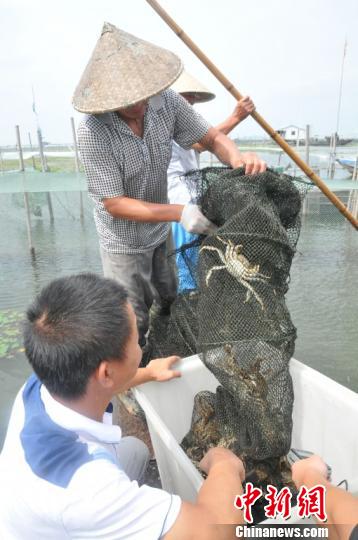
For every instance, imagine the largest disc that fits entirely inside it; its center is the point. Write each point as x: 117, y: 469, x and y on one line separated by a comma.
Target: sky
x: 285, y: 54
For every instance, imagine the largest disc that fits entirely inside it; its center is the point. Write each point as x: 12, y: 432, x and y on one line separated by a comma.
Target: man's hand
x: 194, y: 221
x: 301, y: 467
x: 160, y: 369
x: 219, y: 455
x: 243, y: 109
x: 252, y: 163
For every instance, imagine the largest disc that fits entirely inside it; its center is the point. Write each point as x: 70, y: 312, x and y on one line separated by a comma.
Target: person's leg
x: 133, y: 457
x: 163, y: 277
x: 134, y: 273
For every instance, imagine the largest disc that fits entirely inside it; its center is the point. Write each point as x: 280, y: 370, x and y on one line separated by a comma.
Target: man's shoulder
x: 94, y: 125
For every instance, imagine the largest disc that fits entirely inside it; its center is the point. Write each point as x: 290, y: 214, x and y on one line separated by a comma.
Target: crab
x: 254, y: 381
x: 238, y: 266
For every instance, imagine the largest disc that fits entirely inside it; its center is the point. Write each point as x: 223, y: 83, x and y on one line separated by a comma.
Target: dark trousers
x: 145, y: 276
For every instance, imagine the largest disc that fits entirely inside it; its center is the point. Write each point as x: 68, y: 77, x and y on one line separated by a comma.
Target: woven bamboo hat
x: 187, y: 84
x: 122, y: 71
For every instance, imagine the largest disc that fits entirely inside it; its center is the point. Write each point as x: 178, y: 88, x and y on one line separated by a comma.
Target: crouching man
x: 65, y: 470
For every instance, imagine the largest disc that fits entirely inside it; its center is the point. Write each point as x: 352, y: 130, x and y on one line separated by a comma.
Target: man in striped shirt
x: 125, y: 145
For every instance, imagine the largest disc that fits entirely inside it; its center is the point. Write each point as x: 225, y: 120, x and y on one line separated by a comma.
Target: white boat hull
x: 325, y: 418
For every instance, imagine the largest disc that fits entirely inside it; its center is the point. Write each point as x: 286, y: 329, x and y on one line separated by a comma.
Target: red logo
x: 247, y: 500
x: 279, y: 502
x: 311, y: 502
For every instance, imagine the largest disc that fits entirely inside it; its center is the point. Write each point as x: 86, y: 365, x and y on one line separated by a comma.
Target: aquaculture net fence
x: 232, y: 311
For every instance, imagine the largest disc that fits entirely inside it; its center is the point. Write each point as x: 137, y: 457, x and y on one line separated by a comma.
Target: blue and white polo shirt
x: 60, y: 478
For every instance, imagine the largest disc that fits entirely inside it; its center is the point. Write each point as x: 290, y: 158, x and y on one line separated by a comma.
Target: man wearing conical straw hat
x: 185, y: 160
x: 125, y: 145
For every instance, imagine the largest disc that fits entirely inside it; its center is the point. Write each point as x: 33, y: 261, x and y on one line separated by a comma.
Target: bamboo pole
x: 259, y: 119
x: 45, y: 169
x: 32, y: 149
x: 28, y: 224
x: 41, y: 150
x: 21, y: 156
x: 26, y: 195
x: 307, y: 144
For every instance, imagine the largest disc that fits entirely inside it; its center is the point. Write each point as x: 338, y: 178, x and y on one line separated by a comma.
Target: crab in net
x: 238, y: 266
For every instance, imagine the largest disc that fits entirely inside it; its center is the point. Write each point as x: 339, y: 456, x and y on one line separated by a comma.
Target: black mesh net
x: 233, y: 312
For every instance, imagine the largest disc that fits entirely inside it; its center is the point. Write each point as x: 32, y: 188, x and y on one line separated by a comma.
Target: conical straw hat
x: 122, y: 71
x: 186, y: 83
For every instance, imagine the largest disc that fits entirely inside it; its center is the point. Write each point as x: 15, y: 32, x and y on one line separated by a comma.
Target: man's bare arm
x: 227, y: 152
x: 243, y: 109
x: 215, y: 503
x: 159, y: 370
x: 341, y: 506
x: 137, y: 210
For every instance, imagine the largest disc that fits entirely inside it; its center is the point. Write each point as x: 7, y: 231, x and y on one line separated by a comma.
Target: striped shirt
x: 119, y: 163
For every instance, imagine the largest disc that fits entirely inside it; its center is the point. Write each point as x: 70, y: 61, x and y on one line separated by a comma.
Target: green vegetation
x: 10, y: 332
x: 55, y: 164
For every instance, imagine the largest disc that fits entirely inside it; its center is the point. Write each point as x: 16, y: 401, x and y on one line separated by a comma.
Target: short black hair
x: 75, y: 323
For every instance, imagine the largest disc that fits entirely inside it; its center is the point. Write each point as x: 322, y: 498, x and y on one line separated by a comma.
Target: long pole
x: 259, y: 119
x: 44, y: 165
x: 31, y: 148
x: 21, y: 157
x: 28, y: 224
x: 45, y: 169
x: 307, y: 144
x: 26, y: 195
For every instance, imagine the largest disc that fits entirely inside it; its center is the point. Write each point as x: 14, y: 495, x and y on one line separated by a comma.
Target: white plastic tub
x: 325, y: 419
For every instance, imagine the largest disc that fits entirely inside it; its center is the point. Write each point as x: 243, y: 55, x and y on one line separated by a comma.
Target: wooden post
x: 31, y: 148
x: 41, y: 150
x: 26, y: 195
x: 307, y: 144
x: 28, y: 224
x: 297, y: 148
x: 45, y: 169
x: 49, y: 204
x: 77, y: 162
x: 333, y: 160
x: 21, y: 157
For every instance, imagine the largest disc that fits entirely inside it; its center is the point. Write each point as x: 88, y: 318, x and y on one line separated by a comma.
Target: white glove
x: 194, y: 221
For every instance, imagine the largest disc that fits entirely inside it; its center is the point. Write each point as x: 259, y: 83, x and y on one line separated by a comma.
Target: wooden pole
x: 41, y: 150
x: 21, y: 157
x: 31, y: 148
x: 259, y: 119
x: 307, y: 144
x: 77, y: 161
x: 26, y: 195
x: 28, y: 224
x: 45, y: 169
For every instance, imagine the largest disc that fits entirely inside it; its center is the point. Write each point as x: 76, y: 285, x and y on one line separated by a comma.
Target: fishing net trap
x: 232, y: 312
